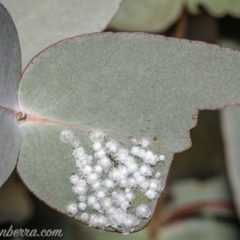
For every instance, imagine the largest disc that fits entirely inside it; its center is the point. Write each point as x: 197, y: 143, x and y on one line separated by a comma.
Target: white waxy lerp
x: 105, y: 163
x: 78, y: 152
x: 151, y: 194
x: 109, y: 184
x: 92, y: 178
x: 82, y: 198
x: 79, y: 189
x: 87, y: 170
x: 101, y: 194
x: 112, y: 146
x: 74, y: 178
x: 143, y: 211
x: 82, y: 206
x: 66, y: 136
x: 96, y: 185
x: 84, y: 217
x: 145, y: 170
x: 144, y: 142
x: 72, y: 208
x: 75, y: 143
x: 135, y: 151
x: 96, y: 146
x: 98, y: 169
x: 162, y: 157
x: 91, y: 200
x: 100, y: 154
x: 93, y: 221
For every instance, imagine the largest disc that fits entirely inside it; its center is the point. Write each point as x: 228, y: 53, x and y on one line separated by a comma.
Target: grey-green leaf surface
x: 10, y: 71
x: 217, y: 8
x: 147, y: 15
x: 42, y: 22
x: 127, y: 85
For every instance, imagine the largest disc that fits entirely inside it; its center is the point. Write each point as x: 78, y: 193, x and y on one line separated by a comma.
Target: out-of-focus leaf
x: 193, y: 196
x: 10, y: 71
x: 198, y: 229
x: 16, y: 205
x: 218, y: 8
x: 43, y: 22
x: 231, y: 134
x: 147, y: 15
x: 205, y: 158
x: 136, y: 85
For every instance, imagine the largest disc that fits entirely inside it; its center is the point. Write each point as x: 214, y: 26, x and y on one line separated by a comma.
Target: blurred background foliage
x: 200, y: 200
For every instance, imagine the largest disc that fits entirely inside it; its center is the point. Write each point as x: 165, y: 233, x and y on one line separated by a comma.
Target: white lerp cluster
x: 107, y: 179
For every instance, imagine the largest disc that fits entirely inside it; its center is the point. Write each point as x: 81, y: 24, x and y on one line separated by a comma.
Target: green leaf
x: 231, y: 134
x: 147, y: 15
x: 10, y: 71
x: 198, y: 229
x: 42, y: 22
x: 127, y: 85
x: 217, y: 8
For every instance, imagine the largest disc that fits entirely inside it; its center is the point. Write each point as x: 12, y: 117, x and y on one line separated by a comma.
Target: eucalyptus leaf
x: 217, y: 8
x: 147, y: 15
x: 43, y: 22
x: 10, y: 71
x: 126, y: 85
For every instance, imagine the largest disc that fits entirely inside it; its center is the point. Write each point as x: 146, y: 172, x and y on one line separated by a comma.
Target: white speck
x: 93, y: 220
x: 151, y: 194
x: 91, y: 200
x: 72, y: 208
x: 145, y: 170
x: 109, y: 184
x: 92, y: 178
x: 97, y: 136
x: 135, y: 151
x: 74, y: 178
x: 75, y: 143
x: 105, y: 163
x: 82, y: 198
x: 66, y: 136
x: 97, y: 146
x: 79, y: 189
x: 112, y: 146
x: 87, y: 170
x: 96, y: 185
x: 82, y: 206
x: 98, y: 169
x: 100, y: 194
x: 158, y: 175
x: 143, y: 211
x: 129, y: 196
x: 78, y: 152
x: 84, y: 217
x: 144, y: 142
x: 162, y: 157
